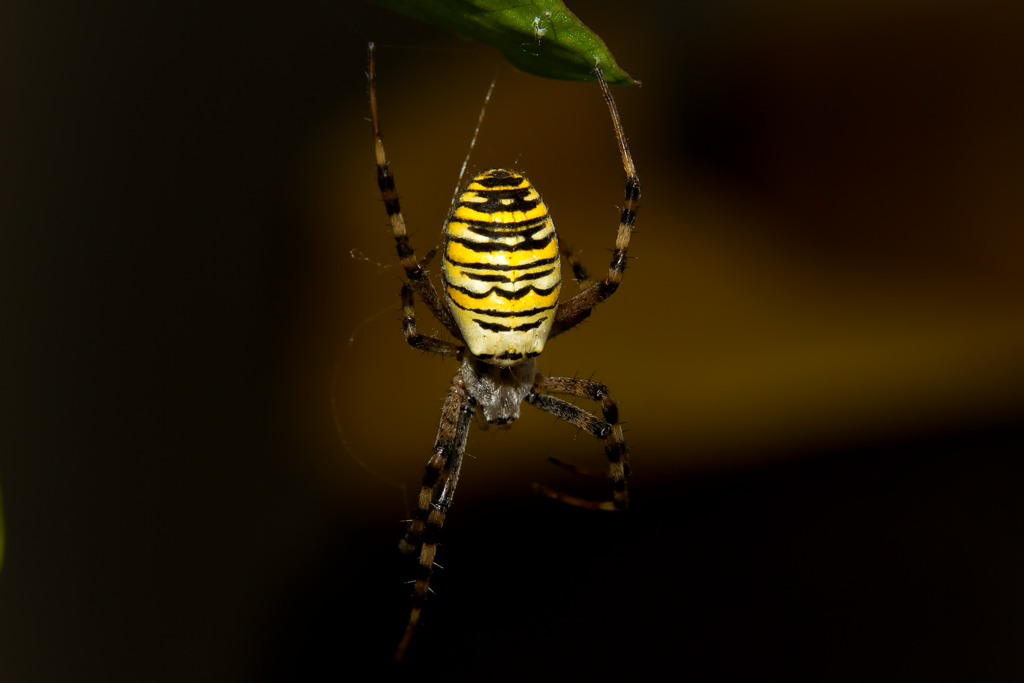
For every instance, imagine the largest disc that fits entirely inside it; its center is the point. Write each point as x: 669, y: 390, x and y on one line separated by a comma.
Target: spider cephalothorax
x: 501, y: 275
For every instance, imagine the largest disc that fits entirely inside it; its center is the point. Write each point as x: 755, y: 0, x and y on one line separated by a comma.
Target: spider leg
x: 579, y: 271
x: 422, y: 341
x: 576, y: 469
x: 442, y: 474
x: 414, y: 270
x: 572, y: 312
x: 608, y: 429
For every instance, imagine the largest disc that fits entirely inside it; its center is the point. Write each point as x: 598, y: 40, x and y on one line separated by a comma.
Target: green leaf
x: 540, y: 37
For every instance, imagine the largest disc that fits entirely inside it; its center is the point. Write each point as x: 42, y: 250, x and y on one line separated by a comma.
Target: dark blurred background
x: 817, y: 349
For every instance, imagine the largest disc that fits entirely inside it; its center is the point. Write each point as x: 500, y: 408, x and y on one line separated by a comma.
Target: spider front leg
x: 609, y: 429
x: 575, y: 310
x: 579, y: 271
x: 422, y: 341
x: 414, y: 270
x: 442, y: 474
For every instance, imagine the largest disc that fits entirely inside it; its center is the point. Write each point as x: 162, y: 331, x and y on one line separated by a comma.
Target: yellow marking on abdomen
x: 501, y: 267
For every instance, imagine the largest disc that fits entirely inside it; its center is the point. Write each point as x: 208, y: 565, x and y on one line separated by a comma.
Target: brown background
x: 817, y: 349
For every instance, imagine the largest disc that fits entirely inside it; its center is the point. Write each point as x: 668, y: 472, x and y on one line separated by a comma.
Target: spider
x: 501, y: 280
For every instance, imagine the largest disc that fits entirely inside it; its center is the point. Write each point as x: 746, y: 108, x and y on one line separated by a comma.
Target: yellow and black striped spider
x: 501, y: 276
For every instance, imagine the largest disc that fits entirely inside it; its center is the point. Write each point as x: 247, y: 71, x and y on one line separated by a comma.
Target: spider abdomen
x: 501, y: 268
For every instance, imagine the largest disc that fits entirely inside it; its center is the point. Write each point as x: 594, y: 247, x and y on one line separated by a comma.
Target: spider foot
x: 573, y: 500
x: 576, y: 469
x: 407, y: 636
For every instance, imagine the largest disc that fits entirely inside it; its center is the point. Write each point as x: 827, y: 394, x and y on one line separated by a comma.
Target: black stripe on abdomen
x: 482, y: 247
